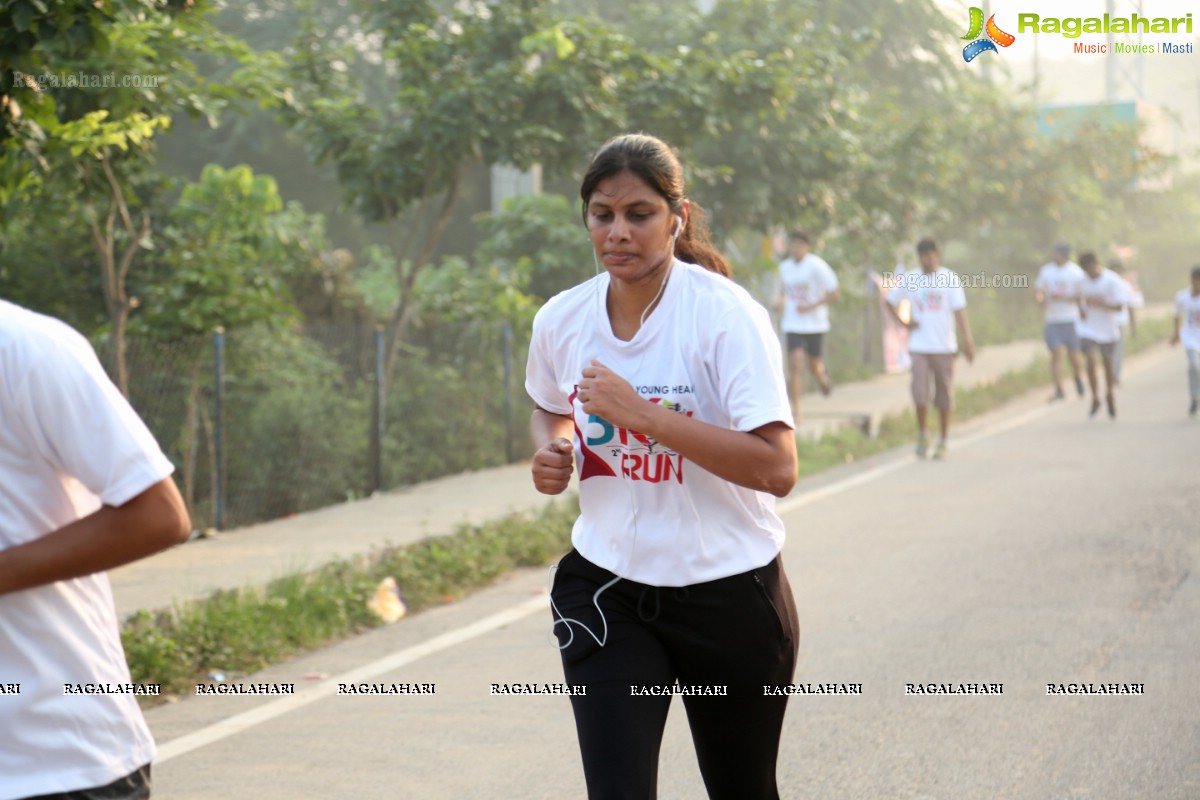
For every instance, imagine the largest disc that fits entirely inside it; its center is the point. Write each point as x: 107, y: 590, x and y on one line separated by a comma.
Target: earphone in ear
x: 678, y: 227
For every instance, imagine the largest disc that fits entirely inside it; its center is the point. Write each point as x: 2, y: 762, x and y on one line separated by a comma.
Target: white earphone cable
x: 601, y: 315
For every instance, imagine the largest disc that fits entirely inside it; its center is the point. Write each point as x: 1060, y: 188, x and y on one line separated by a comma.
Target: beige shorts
x: 937, y: 368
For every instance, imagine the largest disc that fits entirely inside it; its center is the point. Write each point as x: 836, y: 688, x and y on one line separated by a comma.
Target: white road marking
x: 799, y: 501
x: 256, y: 716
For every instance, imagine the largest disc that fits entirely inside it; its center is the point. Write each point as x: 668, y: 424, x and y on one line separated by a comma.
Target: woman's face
x: 631, y: 227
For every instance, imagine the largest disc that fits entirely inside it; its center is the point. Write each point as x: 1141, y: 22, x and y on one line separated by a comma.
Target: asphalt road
x: 1048, y: 549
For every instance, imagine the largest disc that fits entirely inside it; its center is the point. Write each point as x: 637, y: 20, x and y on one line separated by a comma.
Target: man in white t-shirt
x: 83, y: 488
x: 1057, y: 291
x: 1126, y: 318
x: 807, y: 286
x: 938, y: 305
x: 1102, y: 295
x: 1187, y: 330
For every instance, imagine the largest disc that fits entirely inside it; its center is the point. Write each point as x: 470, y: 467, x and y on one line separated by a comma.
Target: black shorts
x: 812, y: 343
x: 134, y: 786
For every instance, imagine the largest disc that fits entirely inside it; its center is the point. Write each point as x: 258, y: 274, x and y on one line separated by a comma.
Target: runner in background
x: 1126, y: 320
x: 1057, y: 291
x: 807, y: 286
x: 938, y: 303
x: 1187, y: 330
x: 1101, y: 297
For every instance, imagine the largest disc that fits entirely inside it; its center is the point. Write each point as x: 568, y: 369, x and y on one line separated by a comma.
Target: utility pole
x: 508, y: 181
x: 1037, y: 72
x: 1124, y: 75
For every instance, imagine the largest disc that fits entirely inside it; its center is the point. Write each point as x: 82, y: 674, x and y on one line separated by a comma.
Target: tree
x: 56, y: 273
x: 228, y: 244
x: 35, y: 38
x: 461, y: 83
x: 87, y: 128
x: 497, y: 83
x: 541, y: 237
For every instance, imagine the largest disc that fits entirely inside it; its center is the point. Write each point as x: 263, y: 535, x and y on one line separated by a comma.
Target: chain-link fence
x: 265, y: 423
x: 262, y: 424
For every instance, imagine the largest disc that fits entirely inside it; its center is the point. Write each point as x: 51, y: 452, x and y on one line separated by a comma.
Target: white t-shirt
x: 804, y: 283
x: 933, y: 298
x: 68, y: 443
x: 1099, y: 324
x: 1065, y: 280
x: 1136, y: 300
x: 1187, y: 307
x: 707, y: 350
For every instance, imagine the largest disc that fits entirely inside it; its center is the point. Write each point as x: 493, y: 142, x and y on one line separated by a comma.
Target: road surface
x: 1048, y: 549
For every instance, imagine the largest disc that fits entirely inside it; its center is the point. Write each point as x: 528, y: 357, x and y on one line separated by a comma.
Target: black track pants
x: 740, y: 633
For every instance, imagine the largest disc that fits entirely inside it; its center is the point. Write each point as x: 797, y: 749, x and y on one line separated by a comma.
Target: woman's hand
x: 609, y: 396
x: 552, y: 466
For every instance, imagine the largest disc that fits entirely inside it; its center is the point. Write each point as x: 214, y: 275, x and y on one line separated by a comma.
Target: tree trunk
x: 116, y: 348
x: 114, y: 272
x: 403, y: 314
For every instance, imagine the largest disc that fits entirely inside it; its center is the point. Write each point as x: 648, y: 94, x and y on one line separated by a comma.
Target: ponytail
x: 694, y: 243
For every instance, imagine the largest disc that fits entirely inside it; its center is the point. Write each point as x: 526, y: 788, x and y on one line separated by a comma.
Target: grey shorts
x: 1061, y: 334
x: 937, y: 368
x: 1107, y: 349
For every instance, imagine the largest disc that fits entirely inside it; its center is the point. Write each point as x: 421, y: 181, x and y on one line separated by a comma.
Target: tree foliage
x: 227, y: 246
x: 89, y: 89
x: 542, y: 239
x: 510, y: 83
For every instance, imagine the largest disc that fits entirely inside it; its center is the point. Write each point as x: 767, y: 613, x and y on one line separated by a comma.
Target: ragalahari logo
x: 982, y: 44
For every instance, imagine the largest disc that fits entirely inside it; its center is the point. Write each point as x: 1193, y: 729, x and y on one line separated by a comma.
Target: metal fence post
x: 377, y: 406
x: 508, y: 411
x: 868, y: 328
x: 218, y: 439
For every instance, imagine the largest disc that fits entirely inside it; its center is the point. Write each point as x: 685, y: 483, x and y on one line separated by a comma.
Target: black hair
x: 799, y: 235
x: 652, y: 160
x: 1088, y: 259
x: 1196, y: 272
x: 927, y: 246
